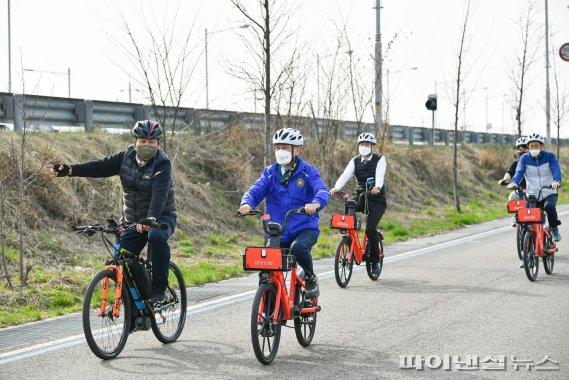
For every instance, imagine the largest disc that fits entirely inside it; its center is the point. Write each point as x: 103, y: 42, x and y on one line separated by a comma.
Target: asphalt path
x: 454, y: 305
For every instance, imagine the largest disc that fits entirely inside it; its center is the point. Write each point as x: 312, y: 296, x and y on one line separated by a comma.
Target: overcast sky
x: 84, y: 36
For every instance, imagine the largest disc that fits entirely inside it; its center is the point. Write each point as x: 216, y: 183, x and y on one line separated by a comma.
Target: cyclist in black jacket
x: 148, y: 193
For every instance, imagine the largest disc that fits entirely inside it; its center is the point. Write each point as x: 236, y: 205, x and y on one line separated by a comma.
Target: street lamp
x: 206, y: 64
x: 67, y: 74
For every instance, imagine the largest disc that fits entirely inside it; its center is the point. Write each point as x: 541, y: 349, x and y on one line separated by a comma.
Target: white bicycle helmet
x: 522, y: 141
x: 368, y: 137
x: 288, y: 136
x: 535, y: 137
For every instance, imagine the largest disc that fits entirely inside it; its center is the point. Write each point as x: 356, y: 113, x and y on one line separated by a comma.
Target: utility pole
x: 9, y: 51
x: 378, y: 64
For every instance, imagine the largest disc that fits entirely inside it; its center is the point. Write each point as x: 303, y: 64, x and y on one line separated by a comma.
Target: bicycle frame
x: 540, y: 233
x: 286, y: 300
x: 355, y: 248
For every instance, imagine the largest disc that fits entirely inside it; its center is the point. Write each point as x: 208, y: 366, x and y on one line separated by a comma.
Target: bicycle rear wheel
x: 343, y: 263
x: 305, y: 324
x: 106, y: 335
x: 374, y: 277
x: 168, y: 319
x: 531, y: 261
x: 548, y: 258
x: 265, y: 335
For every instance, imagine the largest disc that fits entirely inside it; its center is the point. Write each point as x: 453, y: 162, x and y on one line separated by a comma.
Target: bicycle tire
x: 105, y: 334
x: 531, y: 261
x: 343, y: 263
x: 168, y: 320
x: 372, y: 276
x: 520, y: 232
x: 548, y: 258
x: 265, y: 335
x: 304, y: 324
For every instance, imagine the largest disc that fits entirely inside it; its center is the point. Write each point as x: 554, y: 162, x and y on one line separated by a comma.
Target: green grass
x: 205, y: 272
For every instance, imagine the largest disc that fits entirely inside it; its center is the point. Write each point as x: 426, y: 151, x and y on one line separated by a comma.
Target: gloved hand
x: 59, y: 170
x: 144, y: 224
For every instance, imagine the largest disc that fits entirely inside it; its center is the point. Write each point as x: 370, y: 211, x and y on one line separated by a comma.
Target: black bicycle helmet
x: 147, y: 129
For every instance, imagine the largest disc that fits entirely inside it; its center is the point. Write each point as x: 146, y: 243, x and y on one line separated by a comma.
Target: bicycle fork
x: 118, y: 292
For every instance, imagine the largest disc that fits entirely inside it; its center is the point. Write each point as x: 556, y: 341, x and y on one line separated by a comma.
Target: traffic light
x: 431, y: 103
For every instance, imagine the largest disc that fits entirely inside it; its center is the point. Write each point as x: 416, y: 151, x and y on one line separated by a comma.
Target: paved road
x: 459, y: 294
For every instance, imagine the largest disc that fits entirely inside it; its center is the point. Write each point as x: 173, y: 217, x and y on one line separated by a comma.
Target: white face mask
x: 534, y: 152
x: 364, y: 150
x: 283, y: 157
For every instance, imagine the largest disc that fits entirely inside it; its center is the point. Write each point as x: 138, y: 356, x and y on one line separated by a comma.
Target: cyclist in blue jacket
x: 541, y: 168
x: 288, y: 184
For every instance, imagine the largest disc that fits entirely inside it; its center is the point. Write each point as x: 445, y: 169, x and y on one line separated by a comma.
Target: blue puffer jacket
x: 538, y: 172
x: 304, y: 186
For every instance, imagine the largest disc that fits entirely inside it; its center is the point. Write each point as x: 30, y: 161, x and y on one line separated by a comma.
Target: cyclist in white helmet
x: 288, y: 184
x: 541, y: 168
x: 521, y: 149
x: 369, y: 170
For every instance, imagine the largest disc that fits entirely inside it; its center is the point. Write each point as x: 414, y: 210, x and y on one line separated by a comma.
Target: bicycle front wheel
x: 531, y: 261
x: 372, y: 276
x: 106, y: 334
x: 168, y: 319
x: 343, y: 263
x: 265, y: 334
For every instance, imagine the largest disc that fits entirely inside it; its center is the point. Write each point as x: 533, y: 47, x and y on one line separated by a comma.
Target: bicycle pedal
x: 318, y: 308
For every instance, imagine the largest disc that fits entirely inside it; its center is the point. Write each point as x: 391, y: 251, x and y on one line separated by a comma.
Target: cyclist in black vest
x: 148, y: 193
x: 369, y: 169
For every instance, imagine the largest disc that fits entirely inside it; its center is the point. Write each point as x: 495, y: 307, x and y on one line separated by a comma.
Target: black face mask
x: 521, y: 154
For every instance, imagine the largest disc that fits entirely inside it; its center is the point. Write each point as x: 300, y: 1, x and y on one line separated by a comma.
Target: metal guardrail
x: 15, y: 108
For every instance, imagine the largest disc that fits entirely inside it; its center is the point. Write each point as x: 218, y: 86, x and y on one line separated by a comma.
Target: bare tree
x: 529, y: 46
x: 268, y: 31
x: 164, y: 65
x: 460, y: 76
x: 3, y: 195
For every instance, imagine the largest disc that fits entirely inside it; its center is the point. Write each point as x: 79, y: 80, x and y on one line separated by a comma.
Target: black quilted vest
x: 137, y: 186
x: 365, y: 171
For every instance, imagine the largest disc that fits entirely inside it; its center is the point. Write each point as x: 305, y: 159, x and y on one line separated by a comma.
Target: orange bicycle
x: 274, y: 304
x: 537, y: 240
x: 349, y: 248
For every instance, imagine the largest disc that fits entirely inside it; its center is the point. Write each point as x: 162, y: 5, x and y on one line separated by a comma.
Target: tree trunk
x: 267, y: 90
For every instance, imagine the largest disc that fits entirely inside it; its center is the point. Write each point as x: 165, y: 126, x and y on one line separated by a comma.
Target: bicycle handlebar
x: 113, y: 229
x: 287, y: 216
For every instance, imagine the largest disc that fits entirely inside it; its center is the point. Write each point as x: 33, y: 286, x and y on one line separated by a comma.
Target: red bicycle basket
x: 530, y: 215
x: 265, y: 258
x: 514, y: 205
x: 343, y: 221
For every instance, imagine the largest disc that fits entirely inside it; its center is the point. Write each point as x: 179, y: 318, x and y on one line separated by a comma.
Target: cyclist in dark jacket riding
x: 369, y: 170
x: 521, y: 148
x: 288, y: 184
x: 148, y: 193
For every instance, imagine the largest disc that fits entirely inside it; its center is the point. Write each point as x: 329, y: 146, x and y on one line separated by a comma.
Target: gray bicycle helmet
x: 147, y: 129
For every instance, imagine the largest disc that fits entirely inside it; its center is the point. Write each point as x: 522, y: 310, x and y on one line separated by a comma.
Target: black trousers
x: 376, y: 207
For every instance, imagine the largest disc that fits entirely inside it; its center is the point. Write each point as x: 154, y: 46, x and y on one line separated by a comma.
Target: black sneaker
x: 157, y: 297
x: 375, y: 269
x: 311, y: 283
